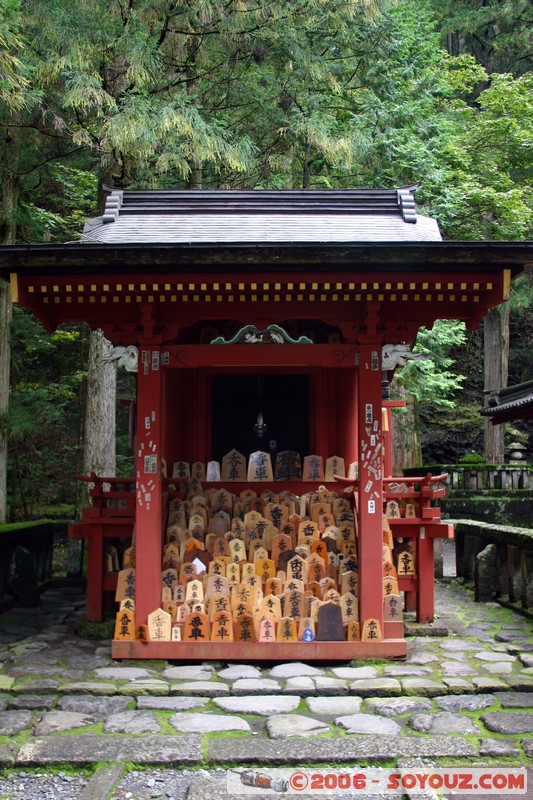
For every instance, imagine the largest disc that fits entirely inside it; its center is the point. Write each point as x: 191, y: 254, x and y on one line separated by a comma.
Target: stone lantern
x: 516, y: 451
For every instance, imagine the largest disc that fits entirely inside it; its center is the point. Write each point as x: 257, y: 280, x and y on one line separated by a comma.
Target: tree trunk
x: 7, y: 236
x: 195, y: 177
x: 406, y: 447
x: 306, y: 176
x: 496, y: 350
x: 5, y: 353
x: 8, y: 212
x: 99, y: 432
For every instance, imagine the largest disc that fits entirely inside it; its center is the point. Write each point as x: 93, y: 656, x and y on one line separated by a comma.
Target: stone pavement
x: 462, y: 698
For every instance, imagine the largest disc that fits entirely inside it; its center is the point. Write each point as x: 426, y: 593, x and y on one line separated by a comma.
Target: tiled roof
x: 185, y: 217
x: 513, y: 400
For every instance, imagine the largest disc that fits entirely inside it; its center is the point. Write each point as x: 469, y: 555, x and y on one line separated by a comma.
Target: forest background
x: 255, y: 94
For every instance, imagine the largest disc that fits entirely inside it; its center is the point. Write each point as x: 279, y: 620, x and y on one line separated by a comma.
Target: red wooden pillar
x: 149, y: 499
x: 426, y: 578
x: 370, y: 484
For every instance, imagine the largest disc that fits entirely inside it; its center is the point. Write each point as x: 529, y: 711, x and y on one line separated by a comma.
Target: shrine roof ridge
x: 264, y: 201
x: 260, y: 215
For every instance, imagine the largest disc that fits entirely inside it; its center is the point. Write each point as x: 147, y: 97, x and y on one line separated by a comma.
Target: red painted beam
x: 264, y: 355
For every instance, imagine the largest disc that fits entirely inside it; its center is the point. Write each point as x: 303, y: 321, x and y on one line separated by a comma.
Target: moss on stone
x: 95, y: 630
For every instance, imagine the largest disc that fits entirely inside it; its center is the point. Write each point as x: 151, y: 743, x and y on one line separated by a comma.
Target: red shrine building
x: 263, y: 323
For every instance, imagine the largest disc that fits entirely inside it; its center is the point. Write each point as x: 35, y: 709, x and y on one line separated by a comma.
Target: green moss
x: 147, y: 663
x: 370, y: 662
x: 226, y: 735
x: 18, y: 740
x: 301, y: 707
x: 22, y: 526
x: 163, y: 718
x: 472, y: 458
x: 95, y: 630
x: 52, y: 769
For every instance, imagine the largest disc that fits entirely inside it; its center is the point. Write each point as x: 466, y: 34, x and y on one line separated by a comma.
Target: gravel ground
x: 175, y: 785
x: 39, y: 786
x: 151, y: 784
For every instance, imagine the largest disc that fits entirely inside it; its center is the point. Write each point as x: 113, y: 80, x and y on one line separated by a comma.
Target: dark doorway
x: 240, y: 400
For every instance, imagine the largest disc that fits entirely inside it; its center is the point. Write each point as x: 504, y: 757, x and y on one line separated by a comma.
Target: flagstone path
x: 464, y: 698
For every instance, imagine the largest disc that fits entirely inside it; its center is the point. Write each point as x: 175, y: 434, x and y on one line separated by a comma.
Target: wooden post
x: 426, y: 578
x: 100, y: 426
x: 5, y: 352
x: 95, y: 565
x: 370, y: 484
x: 389, y: 439
x: 149, y: 490
x: 496, y: 350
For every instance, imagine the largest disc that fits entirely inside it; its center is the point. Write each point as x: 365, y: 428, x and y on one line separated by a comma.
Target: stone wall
x: 498, y: 559
x: 481, y: 477
x: 26, y: 551
x: 500, y: 510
